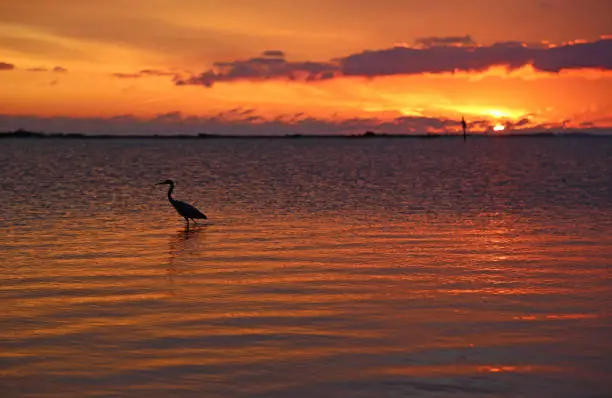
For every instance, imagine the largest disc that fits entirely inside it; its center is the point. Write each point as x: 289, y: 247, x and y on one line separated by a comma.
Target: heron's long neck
x: 170, y: 193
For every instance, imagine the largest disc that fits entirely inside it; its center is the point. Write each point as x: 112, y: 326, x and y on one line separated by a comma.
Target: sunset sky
x: 309, y: 67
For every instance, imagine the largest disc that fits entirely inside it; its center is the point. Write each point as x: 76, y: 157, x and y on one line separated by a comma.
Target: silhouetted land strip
x: 367, y: 135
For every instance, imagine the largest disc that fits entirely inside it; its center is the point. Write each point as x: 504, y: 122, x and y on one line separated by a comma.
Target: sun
x: 499, y: 127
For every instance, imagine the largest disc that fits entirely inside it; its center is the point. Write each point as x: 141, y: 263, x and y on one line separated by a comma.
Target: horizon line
x: 21, y: 133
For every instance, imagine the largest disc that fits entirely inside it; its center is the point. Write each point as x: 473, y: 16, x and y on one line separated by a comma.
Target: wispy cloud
x: 122, y: 75
x: 56, y: 69
x: 430, y: 55
x: 437, y: 41
x: 144, y: 73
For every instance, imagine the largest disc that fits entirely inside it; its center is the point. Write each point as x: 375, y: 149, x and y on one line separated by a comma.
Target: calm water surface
x: 327, y: 268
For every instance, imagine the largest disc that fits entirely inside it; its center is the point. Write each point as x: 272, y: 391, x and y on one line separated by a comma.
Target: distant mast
x: 464, y: 125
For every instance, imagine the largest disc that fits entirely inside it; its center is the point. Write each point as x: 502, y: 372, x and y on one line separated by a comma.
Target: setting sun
x: 308, y: 69
x: 404, y: 197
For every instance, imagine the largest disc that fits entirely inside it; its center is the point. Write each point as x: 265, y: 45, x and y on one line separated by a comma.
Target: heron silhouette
x: 186, y: 210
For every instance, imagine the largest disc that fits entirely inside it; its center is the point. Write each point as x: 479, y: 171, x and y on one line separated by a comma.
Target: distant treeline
x: 368, y: 134
x: 33, y: 134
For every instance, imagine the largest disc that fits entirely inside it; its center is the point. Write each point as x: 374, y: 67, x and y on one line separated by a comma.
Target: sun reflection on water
x: 306, y: 281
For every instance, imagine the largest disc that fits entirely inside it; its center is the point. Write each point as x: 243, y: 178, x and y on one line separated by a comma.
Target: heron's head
x: 169, y: 182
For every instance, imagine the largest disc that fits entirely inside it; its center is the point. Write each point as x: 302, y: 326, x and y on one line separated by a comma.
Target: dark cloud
x: 6, y: 66
x: 269, y: 66
x: 274, y: 53
x: 59, y: 69
x: 37, y: 70
x: 236, y: 112
x: 155, y: 72
x: 437, y: 55
x: 575, y: 56
x: 435, y: 41
x: 520, y: 123
x: 401, y: 60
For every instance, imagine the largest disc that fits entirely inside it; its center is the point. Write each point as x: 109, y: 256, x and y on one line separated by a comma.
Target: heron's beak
x: 160, y: 183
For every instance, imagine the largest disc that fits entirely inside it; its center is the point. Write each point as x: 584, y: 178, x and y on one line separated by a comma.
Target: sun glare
x: 496, y: 113
x: 499, y: 127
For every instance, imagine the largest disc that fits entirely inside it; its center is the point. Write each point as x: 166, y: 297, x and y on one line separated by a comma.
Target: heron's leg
x: 187, y: 220
x: 194, y: 221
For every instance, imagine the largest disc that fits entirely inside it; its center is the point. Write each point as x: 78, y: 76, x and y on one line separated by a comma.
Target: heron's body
x: 187, y: 211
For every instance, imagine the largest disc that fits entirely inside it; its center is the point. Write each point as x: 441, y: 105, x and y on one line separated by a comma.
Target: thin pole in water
x: 464, y: 125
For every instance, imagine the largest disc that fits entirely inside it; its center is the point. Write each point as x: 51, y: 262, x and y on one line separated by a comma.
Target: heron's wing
x: 187, y: 210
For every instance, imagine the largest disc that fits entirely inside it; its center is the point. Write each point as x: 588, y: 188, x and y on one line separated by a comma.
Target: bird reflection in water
x: 182, y: 247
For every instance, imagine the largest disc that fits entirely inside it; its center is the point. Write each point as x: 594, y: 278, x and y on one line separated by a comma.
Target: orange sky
x: 80, y: 60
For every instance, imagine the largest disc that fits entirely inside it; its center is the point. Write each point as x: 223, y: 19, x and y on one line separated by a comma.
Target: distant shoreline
x: 21, y: 134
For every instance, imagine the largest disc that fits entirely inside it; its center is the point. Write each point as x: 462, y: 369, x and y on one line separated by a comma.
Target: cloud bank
x: 236, y: 121
x: 245, y: 122
x: 430, y: 55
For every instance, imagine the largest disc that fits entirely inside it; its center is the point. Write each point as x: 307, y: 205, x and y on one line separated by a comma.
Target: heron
x: 186, y: 210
